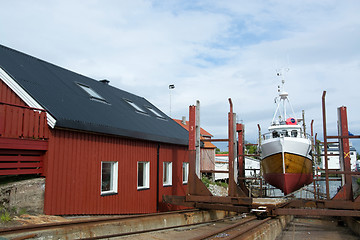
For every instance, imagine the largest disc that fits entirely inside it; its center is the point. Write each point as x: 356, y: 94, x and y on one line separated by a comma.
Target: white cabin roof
x: 284, y: 127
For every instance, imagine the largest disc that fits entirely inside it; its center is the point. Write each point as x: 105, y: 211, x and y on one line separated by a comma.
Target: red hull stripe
x: 288, y: 182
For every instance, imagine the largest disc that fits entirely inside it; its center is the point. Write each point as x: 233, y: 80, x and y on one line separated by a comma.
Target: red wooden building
x: 101, y: 150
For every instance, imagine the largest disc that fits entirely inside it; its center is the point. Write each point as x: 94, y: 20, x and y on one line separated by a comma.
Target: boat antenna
x: 282, y: 99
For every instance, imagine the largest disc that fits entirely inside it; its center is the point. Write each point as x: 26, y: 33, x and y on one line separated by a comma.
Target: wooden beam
x: 23, y: 144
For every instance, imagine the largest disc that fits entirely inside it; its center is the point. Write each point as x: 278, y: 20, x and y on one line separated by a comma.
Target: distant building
x: 334, y: 160
x: 252, y: 166
x: 221, y: 164
x: 207, y: 149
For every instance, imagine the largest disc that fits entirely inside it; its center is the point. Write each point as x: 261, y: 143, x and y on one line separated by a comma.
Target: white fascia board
x: 30, y: 101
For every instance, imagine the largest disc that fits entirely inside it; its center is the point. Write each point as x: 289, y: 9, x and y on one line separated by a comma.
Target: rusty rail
x: 245, y: 225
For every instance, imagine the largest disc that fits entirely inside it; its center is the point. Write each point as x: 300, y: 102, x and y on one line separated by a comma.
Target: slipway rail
x: 115, y: 226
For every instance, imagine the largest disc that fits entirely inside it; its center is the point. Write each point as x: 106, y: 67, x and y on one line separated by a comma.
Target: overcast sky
x: 210, y: 50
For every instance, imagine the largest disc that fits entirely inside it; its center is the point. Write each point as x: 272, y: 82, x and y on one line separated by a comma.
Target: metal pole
x: 313, y: 154
x: 231, y: 190
x: 236, y: 166
x: 344, y: 150
x: 192, y: 151
x: 241, y: 169
x: 304, y: 125
x: 197, y: 139
x: 317, y: 145
x: 325, y: 146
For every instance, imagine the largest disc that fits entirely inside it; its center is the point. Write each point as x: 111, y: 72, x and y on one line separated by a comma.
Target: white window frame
x: 156, y: 113
x: 113, y: 178
x: 135, y: 106
x: 146, y: 175
x: 185, y: 172
x: 93, y: 94
x: 167, y: 173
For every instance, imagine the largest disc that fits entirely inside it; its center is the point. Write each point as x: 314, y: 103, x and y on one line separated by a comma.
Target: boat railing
x: 270, y: 135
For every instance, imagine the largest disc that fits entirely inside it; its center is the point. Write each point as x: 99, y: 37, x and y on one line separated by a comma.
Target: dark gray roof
x: 58, y: 91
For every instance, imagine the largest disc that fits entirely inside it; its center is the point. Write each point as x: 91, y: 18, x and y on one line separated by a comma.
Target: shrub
x: 5, y: 217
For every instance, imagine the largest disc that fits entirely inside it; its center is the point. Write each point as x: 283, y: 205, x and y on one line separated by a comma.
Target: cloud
x: 210, y: 50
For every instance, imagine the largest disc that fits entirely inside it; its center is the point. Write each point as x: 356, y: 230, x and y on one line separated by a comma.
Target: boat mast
x: 281, y: 100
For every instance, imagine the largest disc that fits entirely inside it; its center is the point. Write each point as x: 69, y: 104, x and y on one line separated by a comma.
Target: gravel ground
x: 218, y: 190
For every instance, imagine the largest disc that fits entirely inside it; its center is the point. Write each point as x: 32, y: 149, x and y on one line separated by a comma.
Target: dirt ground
x: 27, y: 219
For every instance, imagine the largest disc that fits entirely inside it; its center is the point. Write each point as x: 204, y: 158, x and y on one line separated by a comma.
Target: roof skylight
x: 91, y: 92
x: 137, y: 108
x: 155, y: 112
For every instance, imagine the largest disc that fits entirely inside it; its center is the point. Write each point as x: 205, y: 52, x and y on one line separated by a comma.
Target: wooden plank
x: 13, y: 123
x: 225, y: 207
x: 8, y: 121
x: 36, y: 124
x: 2, y: 119
x: 16, y: 152
x: 26, y: 122
x: 31, y: 124
x: 216, y: 199
x: 20, y: 165
x: 22, y: 171
x: 19, y: 121
x: 42, y: 124
x: 20, y: 158
x: 23, y: 144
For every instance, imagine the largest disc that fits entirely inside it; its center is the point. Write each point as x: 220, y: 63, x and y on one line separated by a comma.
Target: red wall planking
x: 8, y: 96
x: 73, y: 174
x: 73, y: 170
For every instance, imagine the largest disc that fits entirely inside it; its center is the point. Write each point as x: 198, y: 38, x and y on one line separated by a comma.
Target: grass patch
x: 5, y: 217
x: 206, y: 181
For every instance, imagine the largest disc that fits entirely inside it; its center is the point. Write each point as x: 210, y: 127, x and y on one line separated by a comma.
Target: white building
x: 334, y: 161
x: 222, y: 164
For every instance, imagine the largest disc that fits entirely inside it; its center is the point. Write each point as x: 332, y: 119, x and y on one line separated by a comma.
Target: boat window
x: 285, y: 133
x: 294, y: 133
x: 275, y: 134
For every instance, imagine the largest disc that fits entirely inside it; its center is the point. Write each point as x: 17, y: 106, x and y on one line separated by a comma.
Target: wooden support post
x: 195, y: 185
x: 344, y: 151
x: 232, y: 184
x: 241, y: 160
x: 197, y: 140
x: 234, y: 190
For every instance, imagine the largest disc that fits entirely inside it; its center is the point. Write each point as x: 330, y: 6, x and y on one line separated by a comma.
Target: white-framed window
x: 185, y: 172
x: 135, y: 106
x: 109, y: 177
x: 156, y: 113
x: 91, y: 92
x: 143, y: 175
x: 167, y: 173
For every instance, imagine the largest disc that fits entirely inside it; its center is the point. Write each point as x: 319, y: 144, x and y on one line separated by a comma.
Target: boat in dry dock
x: 286, y: 150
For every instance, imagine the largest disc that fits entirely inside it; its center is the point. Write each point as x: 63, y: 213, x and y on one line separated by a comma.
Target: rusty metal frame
x: 199, y: 196
x: 344, y: 150
x: 316, y: 212
x: 195, y: 185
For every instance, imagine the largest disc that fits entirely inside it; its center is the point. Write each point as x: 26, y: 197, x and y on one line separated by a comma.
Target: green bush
x: 206, y: 181
x: 5, y: 217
